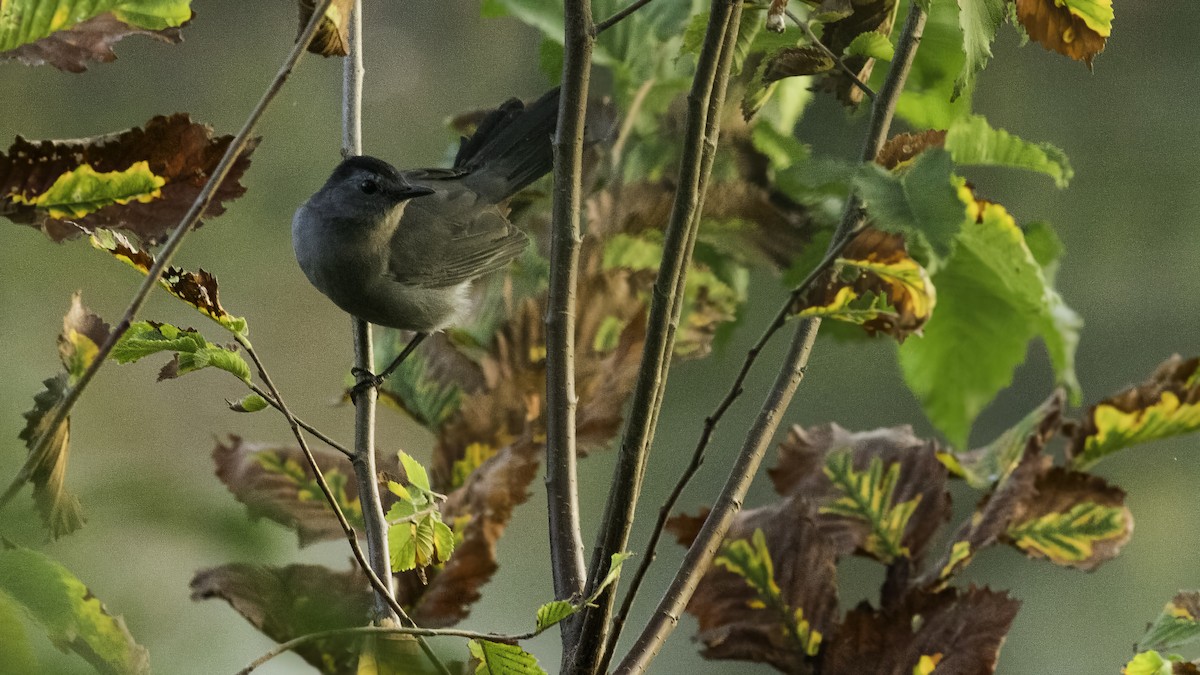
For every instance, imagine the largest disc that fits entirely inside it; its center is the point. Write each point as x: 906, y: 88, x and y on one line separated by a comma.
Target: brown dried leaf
x: 801, y: 472
x: 92, y: 40
x: 332, y: 35
x: 960, y: 631
x: 182, y: 152
x: 287, y: 602
x: 733, y: 622
x: 795, y: 62
x: 868, y: 15
x: 275, y: 482
x: 1056, y: 28
x: 1074, y: 519
x: 905, y: 147
x: 82, y: 335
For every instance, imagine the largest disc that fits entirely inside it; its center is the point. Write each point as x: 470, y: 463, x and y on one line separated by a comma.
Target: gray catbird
x: 400, y: 248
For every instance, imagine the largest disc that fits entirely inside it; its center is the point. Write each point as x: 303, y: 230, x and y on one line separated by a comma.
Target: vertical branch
x: 566, y: 542
x: 716, y: 526
x: 374, y: 525
x: 699, y: 145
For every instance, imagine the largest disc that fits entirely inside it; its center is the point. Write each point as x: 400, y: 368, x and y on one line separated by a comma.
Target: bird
x: 400, y: 248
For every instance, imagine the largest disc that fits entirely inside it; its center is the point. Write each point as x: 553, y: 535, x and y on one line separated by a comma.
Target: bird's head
x: 362, y: 188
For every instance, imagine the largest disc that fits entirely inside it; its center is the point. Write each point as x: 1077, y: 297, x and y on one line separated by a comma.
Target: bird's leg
x: 367, y: 379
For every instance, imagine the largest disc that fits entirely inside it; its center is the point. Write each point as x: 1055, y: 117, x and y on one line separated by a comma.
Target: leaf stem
x: 566, y: 541
x: 712, y: 534
x: 317, y: 433
x: 699, y: 145
x: 169, y: 249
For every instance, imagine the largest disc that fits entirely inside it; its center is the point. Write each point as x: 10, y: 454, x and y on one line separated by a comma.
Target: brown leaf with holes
x: 182, y: 152
x: 1056, y: 28
x: 275, y: 482
x: 74, y: 48
x: 867, y: 15
x: 331, y: 38
x: 961, y: 631
x: 905, y: 147
x: 287, y: 602
x: 802, y: 471
x: 83, y: 333
x: 734, y: 623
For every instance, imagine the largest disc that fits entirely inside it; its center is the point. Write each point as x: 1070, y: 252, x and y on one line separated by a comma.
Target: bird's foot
x: 365, y: 380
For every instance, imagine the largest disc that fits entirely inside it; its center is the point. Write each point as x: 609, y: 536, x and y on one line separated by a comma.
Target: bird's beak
x: 413, y: 191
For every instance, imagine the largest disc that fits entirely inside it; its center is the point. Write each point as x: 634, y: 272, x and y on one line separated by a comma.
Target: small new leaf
x: 192, y: 351
x: 414, y: 472
x: 496, y: 658
x: 871, y: 45
x: 553, y: 612
x: 248, y: 404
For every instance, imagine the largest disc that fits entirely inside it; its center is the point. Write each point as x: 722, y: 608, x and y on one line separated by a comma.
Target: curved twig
x: 317, y: 433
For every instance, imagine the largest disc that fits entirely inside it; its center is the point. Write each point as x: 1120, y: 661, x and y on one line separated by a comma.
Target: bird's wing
x: 450, y: 236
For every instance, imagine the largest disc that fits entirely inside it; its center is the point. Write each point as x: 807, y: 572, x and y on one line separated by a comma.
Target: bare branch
x: 712, y: 534
x: 317, y: 433
x: 169, y: 249
x: 566, y: 542
x: 699, y: 145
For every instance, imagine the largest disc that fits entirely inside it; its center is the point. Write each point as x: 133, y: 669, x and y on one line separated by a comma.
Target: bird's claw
x: 365, y: 380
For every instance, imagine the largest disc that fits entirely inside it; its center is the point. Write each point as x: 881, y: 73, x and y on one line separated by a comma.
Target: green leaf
x: 872, y: 45
x: 430, y: 401
x: 26, y: 21
x: 1097, y: 14
x: 614, y: 571
x: 415, y: 472
x: 192, y: 351
x: 1148, y: 663
x: 402, y: 546
x: 992, y: 300
x: 443, y: 540
x: 751, y: 22
x: 929, y: 99
x: 553, y: 612
x: 1177, y: 625
x: 81, y: 191
x: 65, y: 608
x: 867, y: 496
x: 971, y: 140
x: 979, y: 20
x: 248, y: 404
x: 550, y: 59
x: 496, y: 658
x: 919, y: 202
x: 17, y: 655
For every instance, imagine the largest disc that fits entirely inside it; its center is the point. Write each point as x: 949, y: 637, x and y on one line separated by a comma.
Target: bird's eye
x: 368, y: 187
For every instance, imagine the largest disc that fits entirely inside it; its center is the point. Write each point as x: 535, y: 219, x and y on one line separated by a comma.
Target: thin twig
x: 700, y: 554
x: 837, y: 59
x: 167, y: 253
x: 619, y: 16
x: 635, y: 106
x: 363, y: 461
x: 317, y: 433
x: 284, y: 647
x: 351, y: 536
x: 562, y: 490
x: 708, y: 88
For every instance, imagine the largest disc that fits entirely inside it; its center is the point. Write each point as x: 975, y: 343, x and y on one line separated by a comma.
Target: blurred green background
x: 140, y: 459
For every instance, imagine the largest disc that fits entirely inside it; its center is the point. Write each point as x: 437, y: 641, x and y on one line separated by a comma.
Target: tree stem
x: 716, y: 526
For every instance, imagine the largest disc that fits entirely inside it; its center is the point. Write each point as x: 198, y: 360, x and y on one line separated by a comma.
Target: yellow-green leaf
x: 1178, y: 624
x: 83, y: 190
x: 872, y: 45
x: 402, y: 546
x: 416, y: 474
x: 553, y: 612
x: 751, y: 561
x: 496, y: 658
x: 25, y: 21
x: 1148, y: 663
x: 972, y: 141
x: 1068, y: 538
x: 867, y: 495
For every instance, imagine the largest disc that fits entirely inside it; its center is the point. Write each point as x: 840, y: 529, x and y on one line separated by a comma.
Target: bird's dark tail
x: 511, y: 148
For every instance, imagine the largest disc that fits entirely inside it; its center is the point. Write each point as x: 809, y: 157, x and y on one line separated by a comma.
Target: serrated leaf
x: 198, y: 289
x: 417, y: 390
x: 920, y: 201
x: 402, y: 546
x: 979, y: 20
x: 423, y: 540
x: 443, y: 540
x: 553, y: 612
x: 871, y: 45
x: 65, y: 608
x: 1076, y: 520
x: 1177, y: 625
x: 985, y: 467
x: 971, y: 140
x: 845, y: 22
x: 1078, y: 29
x: 496, y: 658
x: 868, y: 496
x: 83, y: 190
x: 181, y: 152
x: 248, y: 404
x: 1166, y: 405
x: 993, y: 298
x: 192, y: 351
x: 67, y: 33
x: 414, y: 472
